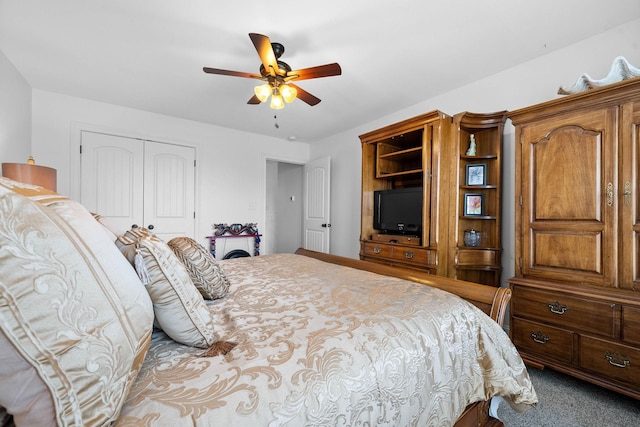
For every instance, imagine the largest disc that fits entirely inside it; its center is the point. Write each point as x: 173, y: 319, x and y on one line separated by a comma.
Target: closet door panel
x: 111, y: 178
x: 169, y: 198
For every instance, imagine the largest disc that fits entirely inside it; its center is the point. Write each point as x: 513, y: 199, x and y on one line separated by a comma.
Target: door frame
x: 262, y: 203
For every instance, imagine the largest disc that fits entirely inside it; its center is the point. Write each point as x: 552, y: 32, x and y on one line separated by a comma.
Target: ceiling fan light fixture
x: 277, y: 103
x: 262, y: 92
x: 289, y: 93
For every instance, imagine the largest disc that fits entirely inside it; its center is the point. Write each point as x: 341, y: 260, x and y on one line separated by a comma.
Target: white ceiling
x: 149, y: 54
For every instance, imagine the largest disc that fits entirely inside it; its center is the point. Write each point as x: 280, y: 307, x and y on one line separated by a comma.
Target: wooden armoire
x: 576, y: 292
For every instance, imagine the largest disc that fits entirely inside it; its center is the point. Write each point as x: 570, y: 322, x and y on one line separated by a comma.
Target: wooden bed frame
x: 490, y: 299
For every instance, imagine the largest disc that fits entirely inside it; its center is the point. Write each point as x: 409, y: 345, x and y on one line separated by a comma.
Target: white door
x: 130, y: 182
x: 316, y: 223
x: 111, y: 178
x: 169, y: 196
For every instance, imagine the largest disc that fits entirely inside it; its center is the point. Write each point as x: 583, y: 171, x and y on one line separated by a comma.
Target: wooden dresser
x: 576, y: 292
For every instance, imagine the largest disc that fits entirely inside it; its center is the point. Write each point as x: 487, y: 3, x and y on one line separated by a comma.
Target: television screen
x: 398, y: 210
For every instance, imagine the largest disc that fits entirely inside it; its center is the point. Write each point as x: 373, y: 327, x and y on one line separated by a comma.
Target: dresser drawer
x: 566, y: 311
x: 542, y: 340
x: 631, y: 325
x: 378, y: 249
x: 411, y: 255
x: 614, y: 360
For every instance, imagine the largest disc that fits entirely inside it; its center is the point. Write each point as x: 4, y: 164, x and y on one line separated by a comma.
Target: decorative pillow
x: 205, y: 272
x: 179, y: 308
x: 72, y: 308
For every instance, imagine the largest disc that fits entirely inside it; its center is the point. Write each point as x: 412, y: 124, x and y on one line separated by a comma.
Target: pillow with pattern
x: 179, y: 308
x: 205, y: 272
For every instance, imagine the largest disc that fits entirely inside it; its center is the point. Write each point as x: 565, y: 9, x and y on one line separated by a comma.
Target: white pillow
x: 71, y: 306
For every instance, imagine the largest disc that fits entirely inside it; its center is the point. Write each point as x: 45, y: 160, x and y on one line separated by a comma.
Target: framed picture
x: 476, y: 174
x: 473, y: 204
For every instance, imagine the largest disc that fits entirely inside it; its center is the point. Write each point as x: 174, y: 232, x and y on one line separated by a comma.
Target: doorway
x: 284, y: 207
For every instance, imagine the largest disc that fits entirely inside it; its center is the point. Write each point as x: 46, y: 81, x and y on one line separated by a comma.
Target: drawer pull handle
x: 616, y: 359
x: 539, y: 337
x: 376, y: 250
x: 557, y: 308
x: 408, y: 255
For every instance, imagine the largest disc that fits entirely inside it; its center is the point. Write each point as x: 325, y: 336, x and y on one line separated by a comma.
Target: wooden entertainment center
x: 431, y: 151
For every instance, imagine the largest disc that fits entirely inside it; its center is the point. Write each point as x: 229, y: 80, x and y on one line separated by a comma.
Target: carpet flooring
x: 564, y: 401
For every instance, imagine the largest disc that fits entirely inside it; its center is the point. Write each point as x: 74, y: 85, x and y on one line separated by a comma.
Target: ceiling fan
x: 278, y: 75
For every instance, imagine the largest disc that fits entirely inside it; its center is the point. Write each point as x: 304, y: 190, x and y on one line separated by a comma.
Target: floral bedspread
x: 324, y: 345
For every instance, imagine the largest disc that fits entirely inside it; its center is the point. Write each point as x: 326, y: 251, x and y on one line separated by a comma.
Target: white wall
x: 527, y: 84
x: 15, y: 114
x: 231, y: 170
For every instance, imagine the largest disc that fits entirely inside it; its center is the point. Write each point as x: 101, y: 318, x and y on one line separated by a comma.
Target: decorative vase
x: 471, y: 237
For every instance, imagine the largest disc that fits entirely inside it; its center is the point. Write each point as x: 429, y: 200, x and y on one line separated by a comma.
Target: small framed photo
x: 473, y: 204
x: 476, y: 174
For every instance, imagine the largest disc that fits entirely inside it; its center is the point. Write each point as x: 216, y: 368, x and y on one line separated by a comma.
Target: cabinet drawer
x: 470, y: 257
x: 378, y: 249
x: 631, y: 324
x: 411, y: 255
x: 566, y: 311
x: 390, y: 238
x: 542, y: 340
x: 614, y: 360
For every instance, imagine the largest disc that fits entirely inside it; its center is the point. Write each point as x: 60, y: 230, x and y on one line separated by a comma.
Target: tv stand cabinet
x: 406, y: 154
x: 430, y: 151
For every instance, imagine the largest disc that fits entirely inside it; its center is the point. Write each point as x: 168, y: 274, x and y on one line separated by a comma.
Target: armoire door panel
x: 580, y: 251
x: 628, y: 199
x: 569, y: 214
x: 563, y: 192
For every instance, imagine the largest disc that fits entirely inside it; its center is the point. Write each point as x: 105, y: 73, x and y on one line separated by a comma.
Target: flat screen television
x: 398, y: 211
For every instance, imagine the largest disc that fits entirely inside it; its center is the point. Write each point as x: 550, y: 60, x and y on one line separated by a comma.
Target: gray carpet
x: 565, y: 401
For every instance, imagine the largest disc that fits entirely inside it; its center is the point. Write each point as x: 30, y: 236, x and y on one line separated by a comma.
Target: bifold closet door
x: 132, y: 181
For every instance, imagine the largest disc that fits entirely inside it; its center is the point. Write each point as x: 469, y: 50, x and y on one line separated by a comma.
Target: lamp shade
x: 31, y: 174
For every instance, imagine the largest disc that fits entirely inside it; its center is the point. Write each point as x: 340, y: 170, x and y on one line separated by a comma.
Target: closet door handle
x: 609, y: 194
x: 150, y: 227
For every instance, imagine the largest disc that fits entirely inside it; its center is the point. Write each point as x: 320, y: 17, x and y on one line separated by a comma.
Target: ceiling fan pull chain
x: 275, y: 117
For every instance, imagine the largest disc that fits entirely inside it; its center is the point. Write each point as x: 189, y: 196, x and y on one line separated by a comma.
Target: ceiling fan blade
x: 327, y: 70
x: 265, y: 51
x: 305, y: 96
x: 231, y: 73
x: 254, y: 100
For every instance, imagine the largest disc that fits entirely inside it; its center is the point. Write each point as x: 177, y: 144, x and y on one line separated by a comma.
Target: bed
x: 294, y: 339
